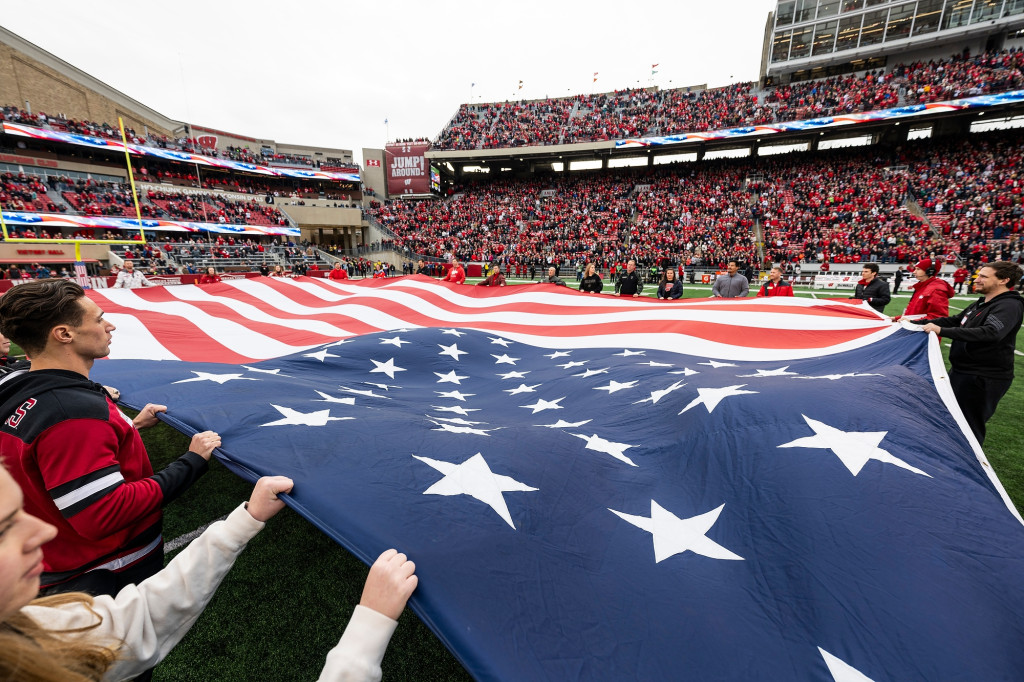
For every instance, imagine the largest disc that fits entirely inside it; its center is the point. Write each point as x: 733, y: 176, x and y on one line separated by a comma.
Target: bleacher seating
x: 644, y: 112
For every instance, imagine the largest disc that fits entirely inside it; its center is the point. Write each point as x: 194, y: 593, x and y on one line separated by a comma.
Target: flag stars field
x: 451, y: 351
x: 295, y: 418
x: 673, y: 535
x: 711, y: 397
x: 474, y: 478
x: 853, y: 448
x: 450, y: 378
x: 216, y: 378
x: 616, y: 450
x: 388, y: 368
x: 542, y: 405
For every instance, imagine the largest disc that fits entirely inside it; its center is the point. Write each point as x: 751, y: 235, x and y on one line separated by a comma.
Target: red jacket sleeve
x: 95, y: 492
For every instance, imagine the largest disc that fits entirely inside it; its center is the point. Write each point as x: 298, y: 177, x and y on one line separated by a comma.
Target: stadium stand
x: 644, y: 112
x: 958, y: 197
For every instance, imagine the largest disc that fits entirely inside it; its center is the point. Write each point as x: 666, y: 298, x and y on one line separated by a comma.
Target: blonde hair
x: 32, y: 653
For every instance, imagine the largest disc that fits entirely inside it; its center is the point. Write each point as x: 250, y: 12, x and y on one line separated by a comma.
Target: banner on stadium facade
x: 171, y: 154
x: 407, y: 168
x: 895, y: 114
x: 53, y: 220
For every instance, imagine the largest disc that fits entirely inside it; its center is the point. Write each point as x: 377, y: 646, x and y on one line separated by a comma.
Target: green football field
x: 288, y: 598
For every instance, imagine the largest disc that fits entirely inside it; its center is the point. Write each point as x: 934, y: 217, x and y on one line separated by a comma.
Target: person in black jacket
x: 984, y: 337
x: 670, y: 287
x: 872, y: 288
x: 591, y: 282
x: 629, y: 283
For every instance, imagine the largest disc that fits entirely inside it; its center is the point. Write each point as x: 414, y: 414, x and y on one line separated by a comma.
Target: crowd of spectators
x: 647, y: 112
x: 954, y: 199
x: 20, y: 192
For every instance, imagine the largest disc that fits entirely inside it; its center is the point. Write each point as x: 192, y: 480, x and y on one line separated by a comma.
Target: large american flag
x: 612, y: 489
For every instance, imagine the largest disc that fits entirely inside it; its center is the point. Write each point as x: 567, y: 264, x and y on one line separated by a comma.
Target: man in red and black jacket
x: 78, y: 459
x: 775, y: 286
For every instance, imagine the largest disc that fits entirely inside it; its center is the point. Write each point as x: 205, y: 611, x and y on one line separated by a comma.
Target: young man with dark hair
x: 984, y: 338
x: 872, y: 288
x: 78, y: 459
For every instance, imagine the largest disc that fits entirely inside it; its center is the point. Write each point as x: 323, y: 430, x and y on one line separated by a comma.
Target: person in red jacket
x: 959, y: 277
x: 456, y: 274
x: 79, y: 460
x: 931, y: 294
x: 338, y: 272
x: 495, y: 279
x: 210, y: 276
x: 775, y: 286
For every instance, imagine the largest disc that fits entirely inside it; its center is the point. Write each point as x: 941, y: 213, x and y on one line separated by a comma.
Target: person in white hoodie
x: 74, y: 637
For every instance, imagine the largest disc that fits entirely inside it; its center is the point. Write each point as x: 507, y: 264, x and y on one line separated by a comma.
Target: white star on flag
x: 386, y: 367
x: 296, y: 418
x: 628, y: 353
x: 453, y: 332
x: 780, y: 372
x: 358, y: 391
x: 562, y: 424
x: 614, y: 386
x: 457, y: 409
x: 514, y: 375
x: 542, y: 405
x: 396, y: 341
x: 658, y: 395
x: 338, y: 343
x: 451, y: 351
x: 673, y: 535
x: 595, y: 442
x: 592, y: 372
x: 474, y: 478
x: 275, y: 372
x: 332, y: 399
x: 449, y: 428
x: 521, y: 388
x: 559, y: 354
x: 453, y: 420
x: 710, y: 397
x: 450, y: 378
x: 455, y: 395
x: 571, y: 364
x: 717, y: 365
x: 834, y: 377
x: 853, y: 448
x: 383, y: 387
x: 652, y: 363
x: 499, y: 341
x: 841, y: 670
x: 216, y: 378
x: 503, y: 359
x: 686, y: 372
x: 320, y: 355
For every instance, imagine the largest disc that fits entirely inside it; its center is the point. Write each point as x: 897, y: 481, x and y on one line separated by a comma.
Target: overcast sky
x: 330, y: 73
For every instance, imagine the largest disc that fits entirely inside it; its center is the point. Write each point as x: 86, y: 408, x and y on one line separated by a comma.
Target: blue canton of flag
x: 627, y: 513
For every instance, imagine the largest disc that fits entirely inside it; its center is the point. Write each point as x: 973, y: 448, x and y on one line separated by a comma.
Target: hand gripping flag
x: 607, y: 489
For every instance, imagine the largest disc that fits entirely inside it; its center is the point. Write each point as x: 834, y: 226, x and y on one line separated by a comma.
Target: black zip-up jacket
x: 984, y: 336
x: 875, y: 292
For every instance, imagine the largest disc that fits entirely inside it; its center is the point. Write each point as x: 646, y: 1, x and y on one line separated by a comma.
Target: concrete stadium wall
x: 52, y: 86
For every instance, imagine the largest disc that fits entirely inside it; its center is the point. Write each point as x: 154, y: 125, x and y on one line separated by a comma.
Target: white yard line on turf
x: 181, y: 541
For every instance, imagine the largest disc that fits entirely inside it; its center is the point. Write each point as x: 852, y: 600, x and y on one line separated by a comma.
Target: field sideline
x: 288, y: 598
